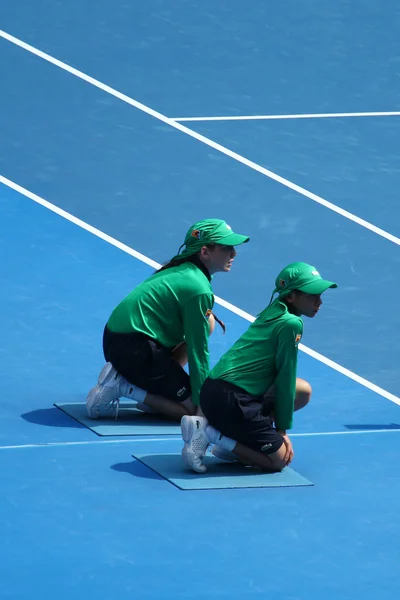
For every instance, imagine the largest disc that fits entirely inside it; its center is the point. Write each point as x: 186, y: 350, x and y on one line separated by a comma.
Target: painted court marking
x: 285, y: 117
x: 178, y: 439
x: 145, y: 259
x: 201, y: 138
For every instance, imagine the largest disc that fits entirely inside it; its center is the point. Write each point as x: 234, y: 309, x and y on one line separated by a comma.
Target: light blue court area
x: 81, y: 521
x: 97, y: 509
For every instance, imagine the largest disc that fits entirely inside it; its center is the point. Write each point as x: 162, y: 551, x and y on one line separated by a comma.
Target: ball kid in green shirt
x: 161, y: 325
x: 249, y: 398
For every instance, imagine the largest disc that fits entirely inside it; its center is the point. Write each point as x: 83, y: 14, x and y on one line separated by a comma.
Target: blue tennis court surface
x: 80, y: 516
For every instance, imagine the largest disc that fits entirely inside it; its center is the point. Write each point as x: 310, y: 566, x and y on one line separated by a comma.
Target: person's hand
x: 289, y: 448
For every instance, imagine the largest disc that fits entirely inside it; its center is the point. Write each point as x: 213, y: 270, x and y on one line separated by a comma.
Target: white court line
x: 220, y: 301
x: 283, y: 117
x: 201, y: 138
x: 179, y: 439
x: 354, y: 432
x: 89, y: 443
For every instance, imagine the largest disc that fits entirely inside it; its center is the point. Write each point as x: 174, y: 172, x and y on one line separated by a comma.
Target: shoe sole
x: 186, y: 428
x: 105, y: 376
x: 187, y: 432
x: 91, y: 402
x: 184, y: 454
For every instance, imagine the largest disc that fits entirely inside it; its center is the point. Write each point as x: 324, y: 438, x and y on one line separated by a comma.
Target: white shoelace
x: 115, y: 404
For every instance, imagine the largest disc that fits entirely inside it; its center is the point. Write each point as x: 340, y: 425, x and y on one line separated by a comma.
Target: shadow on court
x: 137, y: 469
x: 51, y: 417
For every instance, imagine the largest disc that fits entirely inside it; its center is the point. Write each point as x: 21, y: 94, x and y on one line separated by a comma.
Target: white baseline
x: 166, y: 438
x: 283, y: 117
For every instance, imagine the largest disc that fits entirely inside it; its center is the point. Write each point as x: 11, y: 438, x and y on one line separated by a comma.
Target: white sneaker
x: 223, y: 454
x: 103, y: 398
x: 196, y: 442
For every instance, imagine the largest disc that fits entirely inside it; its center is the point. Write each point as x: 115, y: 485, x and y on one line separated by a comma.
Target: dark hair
x: 174, y: 263
x: 220, y: 323
x: 179, y: 261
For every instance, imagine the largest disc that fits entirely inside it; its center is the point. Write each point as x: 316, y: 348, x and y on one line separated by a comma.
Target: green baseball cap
x: 209, y: 231
x: 303, y: 277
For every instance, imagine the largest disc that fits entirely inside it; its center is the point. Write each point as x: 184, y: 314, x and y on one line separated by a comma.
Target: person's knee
x: 303, y: 393
x: 273, y: 462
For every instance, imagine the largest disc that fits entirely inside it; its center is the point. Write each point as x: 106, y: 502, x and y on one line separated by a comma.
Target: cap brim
x: 233, y: 239
x: 317, y: 287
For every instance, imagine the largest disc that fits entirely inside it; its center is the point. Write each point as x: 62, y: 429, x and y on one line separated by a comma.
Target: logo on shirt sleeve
x: 298, y: 338
x: 208, y: 313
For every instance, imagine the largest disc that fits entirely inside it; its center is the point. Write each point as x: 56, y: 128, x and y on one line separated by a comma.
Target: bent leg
x: 271, y: 463
x: 303, y: 394
x: 237, y: 424
x: 302, y: 398
x: 169, y: 408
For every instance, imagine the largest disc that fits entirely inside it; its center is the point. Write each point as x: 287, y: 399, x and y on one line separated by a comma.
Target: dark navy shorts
x: 147, y: 364
x: 239, y: 415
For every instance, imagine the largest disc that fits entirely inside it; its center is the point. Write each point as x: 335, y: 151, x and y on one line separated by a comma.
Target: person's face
x: 218, y: 258
x: 304, y: 304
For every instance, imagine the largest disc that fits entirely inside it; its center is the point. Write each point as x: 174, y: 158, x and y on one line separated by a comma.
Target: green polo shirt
x: 266, y: 354
x: 170, y: 307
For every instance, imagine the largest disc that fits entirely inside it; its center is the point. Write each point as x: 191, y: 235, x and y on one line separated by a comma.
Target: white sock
x: 128, y: 390
x: 217, y: 438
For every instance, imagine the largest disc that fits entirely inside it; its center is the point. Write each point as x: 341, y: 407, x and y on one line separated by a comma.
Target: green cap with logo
x: 209, y: 231
x: 303, y: 277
